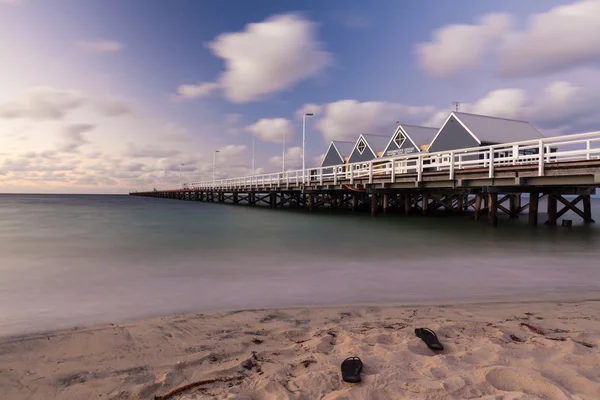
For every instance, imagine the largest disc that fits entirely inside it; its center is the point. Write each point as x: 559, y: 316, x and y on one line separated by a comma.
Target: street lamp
x: 180, y: 179
x: 304, y: 144
x: 253, y: 155
x: 283, y: 153
x: 214, y: 162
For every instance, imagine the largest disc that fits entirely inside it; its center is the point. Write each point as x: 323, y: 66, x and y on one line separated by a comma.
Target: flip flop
x: 351, y: 368
x: 430, y: 338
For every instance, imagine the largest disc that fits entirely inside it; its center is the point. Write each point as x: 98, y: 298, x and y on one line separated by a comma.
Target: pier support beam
x: 272, y: 199
x: 459, y: 203
x: 493, y: 208
x: 407, y: 203
x: 552, y: 209
x: 374, y: 202
x: 424, y: 203
x: 515, y: 205
x: 533, y: 208
x: 354, y: 202
x: 236, y: 199
x: 311, y: 202
x: 477, y: 206
x: 386, y: 202
x: 587, y: 209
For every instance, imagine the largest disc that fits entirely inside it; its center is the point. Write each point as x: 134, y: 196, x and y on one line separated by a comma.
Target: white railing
x: 577, y: 147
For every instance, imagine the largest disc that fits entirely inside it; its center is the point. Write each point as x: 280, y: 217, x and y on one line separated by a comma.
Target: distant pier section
x: 486, y: 180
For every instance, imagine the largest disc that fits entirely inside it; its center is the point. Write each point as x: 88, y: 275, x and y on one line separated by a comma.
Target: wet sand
x: 533, y: 350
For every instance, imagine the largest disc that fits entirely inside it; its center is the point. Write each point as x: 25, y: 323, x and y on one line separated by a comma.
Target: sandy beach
x: 543, y: 350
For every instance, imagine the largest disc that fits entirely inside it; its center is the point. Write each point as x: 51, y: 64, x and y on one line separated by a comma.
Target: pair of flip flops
x: 352, y: 366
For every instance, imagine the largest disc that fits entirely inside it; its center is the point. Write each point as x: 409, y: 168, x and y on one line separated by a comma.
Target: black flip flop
x: 430, y: 338
x: 351, y: 368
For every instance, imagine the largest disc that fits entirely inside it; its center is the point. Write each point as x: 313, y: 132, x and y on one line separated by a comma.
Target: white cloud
x: 113, y: 107
x: 231, y: 150
x: 505, y: 103
x: 293, y: 159
x: 272, y: 130
x: 101, y: 46
x: 73, y: 137
x: 147, y: 151
x: 174, y: 132
x: 314, y: 109
x: 188, y: 92
x: 564, y: 37
x: 42, y: 103
x: 268, y: 57
x: 460, y: 47
x: 347, y: 119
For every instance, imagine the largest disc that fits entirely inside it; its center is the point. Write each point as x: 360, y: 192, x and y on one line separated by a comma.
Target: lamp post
x: 253, y: 156
x: 283, y: 153
x: 180, y: 178
x: 214, y: 163
x: 304, y: 144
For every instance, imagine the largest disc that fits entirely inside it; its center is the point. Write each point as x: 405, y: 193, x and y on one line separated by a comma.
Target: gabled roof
x: 377, y: 143
x: 344, y: 149
x: 418, y: 135
x: 489, y: 129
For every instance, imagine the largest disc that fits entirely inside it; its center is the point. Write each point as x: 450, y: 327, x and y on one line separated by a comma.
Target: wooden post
x: 533, y: 208
x: 477, y: 205
x: 354, y: 202
x: 587, y: 208
x: 515, y: 205
x: 493, y: 208
x: 459, y: 203
x: 552, y: 209
x: 386, y: 202
x: 273, y: 199
x: 425, y: 203
x: 407, y: 203
x: 236, y: 200
x: 311, y: 202
x: 374, y: 204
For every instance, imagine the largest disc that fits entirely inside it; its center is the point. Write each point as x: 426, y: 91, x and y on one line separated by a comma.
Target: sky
x: 112, y: 96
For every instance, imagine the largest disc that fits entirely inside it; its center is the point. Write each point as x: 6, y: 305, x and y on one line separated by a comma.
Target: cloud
x: 11, y: 2
x: 174, y: 133
x: 45, y: 103
x: 293, y: 159
x: 113, y: 107
x: 347, y: 119
x: 101, y: 46
x: 272, y: 130
x: 231, y: 150
x: 459, y: 47
x: 42, y: 103
x: 188, y: 92
x: 560, y: 108
x: 308, y: 109
x: 73, y: 137
x: 268, y: 57
x: 148, y: 151
x: 564, y: 37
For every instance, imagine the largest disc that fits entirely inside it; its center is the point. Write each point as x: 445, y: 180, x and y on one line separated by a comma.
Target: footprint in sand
x: 524, y: 381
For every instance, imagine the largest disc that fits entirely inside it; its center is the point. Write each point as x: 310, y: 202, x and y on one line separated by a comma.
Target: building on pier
x: 338, y: 153
x: 409, y: 139
x: 368, y: 147
x: 462, y: 130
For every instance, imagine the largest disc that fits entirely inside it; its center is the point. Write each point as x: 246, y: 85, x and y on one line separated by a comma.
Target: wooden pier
x: 487, y: 181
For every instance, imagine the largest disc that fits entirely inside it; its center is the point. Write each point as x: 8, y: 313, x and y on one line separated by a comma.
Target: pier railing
x: 576, y: 147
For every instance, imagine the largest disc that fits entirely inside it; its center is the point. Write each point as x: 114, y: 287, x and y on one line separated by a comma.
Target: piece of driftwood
x: 192, y: 385
x: 533, y: 329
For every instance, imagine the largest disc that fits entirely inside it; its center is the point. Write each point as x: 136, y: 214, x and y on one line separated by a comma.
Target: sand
x: 296, y: 354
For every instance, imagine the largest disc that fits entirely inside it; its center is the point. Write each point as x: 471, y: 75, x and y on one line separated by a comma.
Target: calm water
x: 72, y: 260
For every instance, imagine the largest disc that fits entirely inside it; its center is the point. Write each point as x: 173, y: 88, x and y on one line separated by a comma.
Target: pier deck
x: 488, y: 180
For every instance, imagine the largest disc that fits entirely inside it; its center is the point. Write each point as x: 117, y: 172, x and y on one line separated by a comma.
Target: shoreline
x: 296, y: 352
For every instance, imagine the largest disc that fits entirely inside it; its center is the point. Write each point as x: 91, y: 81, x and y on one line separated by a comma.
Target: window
x: 361, y: 146
x: 339, y: 169
x: 399, y: 139
x: 365, y: 166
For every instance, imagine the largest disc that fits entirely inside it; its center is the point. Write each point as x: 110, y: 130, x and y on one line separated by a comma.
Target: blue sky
x: 107, y: 96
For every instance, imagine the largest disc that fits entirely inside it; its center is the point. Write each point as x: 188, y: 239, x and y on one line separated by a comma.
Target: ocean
x: 72, y: 260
